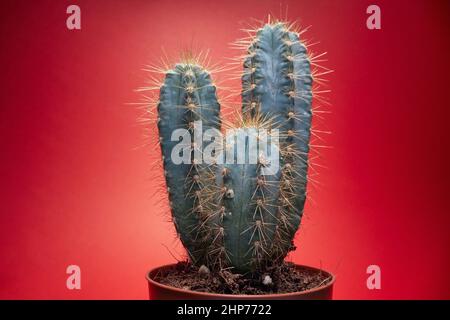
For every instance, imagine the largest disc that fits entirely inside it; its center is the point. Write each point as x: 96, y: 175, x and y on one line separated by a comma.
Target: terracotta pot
x: 160, y: 291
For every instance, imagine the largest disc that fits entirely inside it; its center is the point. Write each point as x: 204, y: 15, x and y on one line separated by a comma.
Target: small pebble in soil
x: 203, y: 270
x: 267, y: 280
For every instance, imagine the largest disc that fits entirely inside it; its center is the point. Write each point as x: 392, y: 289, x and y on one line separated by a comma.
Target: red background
x: 77, y: 185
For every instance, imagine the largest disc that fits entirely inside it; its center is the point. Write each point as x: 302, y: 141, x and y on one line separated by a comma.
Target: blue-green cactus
x: 232, y: 215
x: 186, y: 96
x: 277, y: 83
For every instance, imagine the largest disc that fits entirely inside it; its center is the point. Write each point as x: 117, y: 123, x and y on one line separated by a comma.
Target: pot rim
x: 268, y: 296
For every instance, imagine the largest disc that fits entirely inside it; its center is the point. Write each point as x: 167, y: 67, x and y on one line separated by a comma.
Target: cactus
x: 187, y: 95
x: 230, y: 215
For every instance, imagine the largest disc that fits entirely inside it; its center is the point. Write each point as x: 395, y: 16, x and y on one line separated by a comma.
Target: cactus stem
x: 232, y: 215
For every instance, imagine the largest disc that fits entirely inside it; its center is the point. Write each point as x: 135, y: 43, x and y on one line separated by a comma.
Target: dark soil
x: 285, y: 279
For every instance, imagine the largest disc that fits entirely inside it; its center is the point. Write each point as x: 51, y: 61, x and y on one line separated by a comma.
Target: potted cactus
x: 235, y: 217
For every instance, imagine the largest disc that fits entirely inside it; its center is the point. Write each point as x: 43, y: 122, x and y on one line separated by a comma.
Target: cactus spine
x: 232, y: 215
